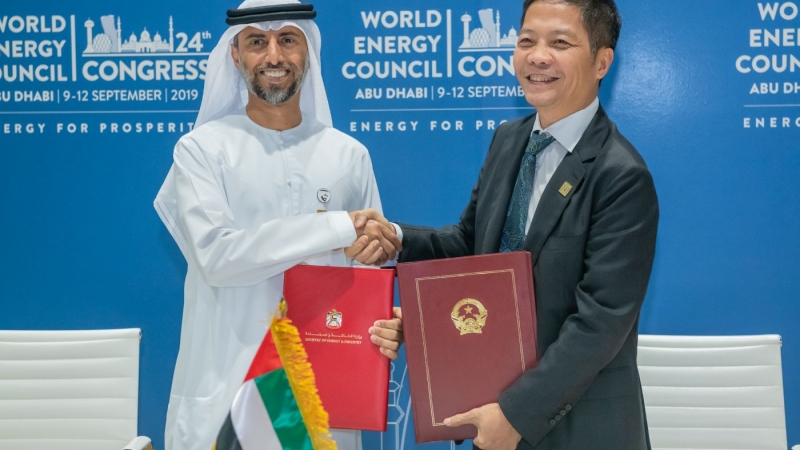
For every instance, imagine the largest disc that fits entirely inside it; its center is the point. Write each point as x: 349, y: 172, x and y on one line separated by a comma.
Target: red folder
x: 470, y: 332
x: 333, y: 309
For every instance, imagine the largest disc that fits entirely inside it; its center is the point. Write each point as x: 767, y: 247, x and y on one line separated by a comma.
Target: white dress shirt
x: 567, y: 132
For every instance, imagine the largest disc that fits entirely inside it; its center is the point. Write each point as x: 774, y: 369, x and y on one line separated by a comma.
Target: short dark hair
x: 600, y: 18
x: 236, y: 40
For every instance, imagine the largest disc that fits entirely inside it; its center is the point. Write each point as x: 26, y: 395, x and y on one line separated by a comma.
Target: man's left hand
x: 494, y: 430
x: 388, y: 334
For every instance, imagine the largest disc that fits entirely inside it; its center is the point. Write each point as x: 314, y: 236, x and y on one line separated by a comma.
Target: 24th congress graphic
x: 57, y: 65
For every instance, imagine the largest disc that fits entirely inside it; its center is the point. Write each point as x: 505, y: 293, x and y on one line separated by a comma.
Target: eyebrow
x: 256, y: 35
x: 560, y: 32
x: 565, y: 33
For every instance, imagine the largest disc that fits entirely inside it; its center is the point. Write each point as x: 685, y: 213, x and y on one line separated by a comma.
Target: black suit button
x: 558, y: 417
x: 552, y: 422
x: 563, y: 413
x: 567, y: 407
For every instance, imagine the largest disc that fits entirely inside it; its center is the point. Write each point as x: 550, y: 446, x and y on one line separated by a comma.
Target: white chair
x: 70, y: 390
x: 713, y: 392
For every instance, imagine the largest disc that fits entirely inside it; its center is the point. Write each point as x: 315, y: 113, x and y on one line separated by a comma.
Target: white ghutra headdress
x: 225, y: 92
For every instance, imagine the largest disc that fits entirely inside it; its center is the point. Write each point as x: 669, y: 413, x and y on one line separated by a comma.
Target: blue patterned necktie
x: 514, y: 228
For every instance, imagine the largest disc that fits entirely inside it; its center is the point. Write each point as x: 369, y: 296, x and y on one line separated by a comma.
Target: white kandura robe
x: 242, y: 203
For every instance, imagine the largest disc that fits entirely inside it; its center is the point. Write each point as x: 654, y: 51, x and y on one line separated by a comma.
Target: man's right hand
x: 376, y: 240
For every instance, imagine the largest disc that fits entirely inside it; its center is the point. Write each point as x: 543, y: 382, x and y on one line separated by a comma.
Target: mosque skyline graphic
x: 109, y: 41
x: 486, y: 36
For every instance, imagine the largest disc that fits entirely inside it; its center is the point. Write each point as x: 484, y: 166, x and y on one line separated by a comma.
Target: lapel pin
x: 565, y: 188
x: 324, y: 195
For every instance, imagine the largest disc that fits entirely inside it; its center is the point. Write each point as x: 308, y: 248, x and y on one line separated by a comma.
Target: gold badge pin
x: 565, y: 188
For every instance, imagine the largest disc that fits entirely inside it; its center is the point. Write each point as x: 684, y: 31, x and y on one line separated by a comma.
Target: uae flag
x: 277, y: 407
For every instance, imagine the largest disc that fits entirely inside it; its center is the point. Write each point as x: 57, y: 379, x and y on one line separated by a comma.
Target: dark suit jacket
x: 592, y: 252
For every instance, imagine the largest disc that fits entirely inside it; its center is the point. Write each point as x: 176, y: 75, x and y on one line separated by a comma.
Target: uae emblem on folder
x: 334, y: 320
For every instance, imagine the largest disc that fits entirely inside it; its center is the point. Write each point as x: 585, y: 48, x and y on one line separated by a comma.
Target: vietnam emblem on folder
x: 334, y: 320
x: 469, y: 316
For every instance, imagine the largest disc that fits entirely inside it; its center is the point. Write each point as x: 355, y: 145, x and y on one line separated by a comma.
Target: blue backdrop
x: 708, y: 91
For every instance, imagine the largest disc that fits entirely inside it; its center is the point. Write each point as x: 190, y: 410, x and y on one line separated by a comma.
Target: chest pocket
x: 250, y: 205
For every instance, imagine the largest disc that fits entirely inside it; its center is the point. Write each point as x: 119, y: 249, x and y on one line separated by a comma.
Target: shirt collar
x: 568, y: 131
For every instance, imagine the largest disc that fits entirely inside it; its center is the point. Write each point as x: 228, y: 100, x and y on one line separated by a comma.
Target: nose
x: 540, y: 55
x: 274, y: 53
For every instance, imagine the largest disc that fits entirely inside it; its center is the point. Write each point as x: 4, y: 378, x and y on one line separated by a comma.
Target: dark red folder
x: 333, y: 308
x: 470, y: 332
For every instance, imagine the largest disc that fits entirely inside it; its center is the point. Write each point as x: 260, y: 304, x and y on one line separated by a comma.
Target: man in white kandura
x: 244, y: 201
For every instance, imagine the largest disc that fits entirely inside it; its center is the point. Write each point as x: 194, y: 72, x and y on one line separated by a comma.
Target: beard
x: 273, y: 94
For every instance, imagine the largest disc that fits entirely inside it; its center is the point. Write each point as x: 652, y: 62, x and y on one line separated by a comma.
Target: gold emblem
x: 334, y: 320
x: 466, y: 319
x: 565, y: 188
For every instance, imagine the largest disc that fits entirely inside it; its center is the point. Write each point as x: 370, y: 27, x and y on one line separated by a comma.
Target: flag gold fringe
x: 301, y: 379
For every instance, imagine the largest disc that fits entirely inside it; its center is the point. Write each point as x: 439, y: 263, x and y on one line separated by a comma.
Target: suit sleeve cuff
x: 532, y: 432
x: 399, y: 232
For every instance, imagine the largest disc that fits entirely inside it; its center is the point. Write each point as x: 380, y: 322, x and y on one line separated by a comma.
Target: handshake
x: 376, y: 240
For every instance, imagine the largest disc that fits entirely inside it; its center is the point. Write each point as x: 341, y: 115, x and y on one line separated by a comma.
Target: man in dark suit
x: 566, y: 186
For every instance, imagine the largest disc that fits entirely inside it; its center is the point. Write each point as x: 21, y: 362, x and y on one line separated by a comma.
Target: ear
x: 603, y: 60
x: 235, y: 55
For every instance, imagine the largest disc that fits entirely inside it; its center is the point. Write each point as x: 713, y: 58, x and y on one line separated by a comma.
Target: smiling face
x: 272, y: 63
x: 554, y: 62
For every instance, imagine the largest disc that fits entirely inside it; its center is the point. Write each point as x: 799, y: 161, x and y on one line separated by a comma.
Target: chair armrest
x: 139, y: 443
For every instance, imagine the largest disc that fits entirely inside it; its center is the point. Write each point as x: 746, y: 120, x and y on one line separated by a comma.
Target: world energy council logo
x: 59, y: 65
x: 430, y: 44
x: 433, y: 60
